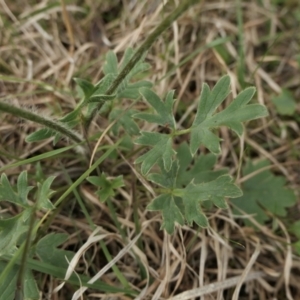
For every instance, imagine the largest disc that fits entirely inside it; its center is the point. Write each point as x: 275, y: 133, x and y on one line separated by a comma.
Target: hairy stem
x: 141, y: 51
x: 28, y: 115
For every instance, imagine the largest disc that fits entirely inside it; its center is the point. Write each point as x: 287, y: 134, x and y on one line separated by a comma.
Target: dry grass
x: 44, y: 46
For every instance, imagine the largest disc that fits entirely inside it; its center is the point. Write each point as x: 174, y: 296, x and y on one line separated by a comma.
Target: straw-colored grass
x: 44, y: 44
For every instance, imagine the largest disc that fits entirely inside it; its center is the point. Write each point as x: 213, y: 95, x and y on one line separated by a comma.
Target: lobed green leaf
x: 164, y: 116
x: 264, y: 192
x: 47, y: 251
x: 85, y: 86
x: 170, y: 211
x: 124, y: 120
x: 162, y: 149
x: 106, y: 187
x: 200, y: 170
x: 7, y: 193
x: 44, y: 193
x: 214, y: 191
x: 166, y: 179
x: 111, y: 63
x: 232, y: 116
x: 40, y: 135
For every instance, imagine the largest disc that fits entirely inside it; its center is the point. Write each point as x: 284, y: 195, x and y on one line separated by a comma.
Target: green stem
x: 166, y: 23
x: 181, y: 132
x: 177, y: 192
x: 241, y: 56
x: 28, y: 115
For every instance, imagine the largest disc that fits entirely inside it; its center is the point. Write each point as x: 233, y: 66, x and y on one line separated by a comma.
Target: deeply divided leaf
x: 165, y: 203
x: 124, y: 120
x: 264, y: 192
x: 162, y: 149
x: 19, y: 197
x: 216, y: 191
x: 237, y: 112
x: 166, y: 179
x: 170, y: 211
x: 86, y: 87
x: 44, y: 193
x: 200, y: 169
x: 164, y: 114
x: 186, y: 202
x: 106, y: 186
x: 126, y: 89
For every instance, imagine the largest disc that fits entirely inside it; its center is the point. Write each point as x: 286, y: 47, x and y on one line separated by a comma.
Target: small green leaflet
x: 111, y: 64
x: 106, y: 187
x: 162, y: 148
x: 46, y: 250
x: 166, y: 179
x: 7, y: 193
x: 264, y: 192
x: 124, y: 120
x: 166, y: 202
x: 11, y: 230
x: 170, y: 212
x: 132, y: 89
x: 44, y: 193
x: 30, y: 290
x: 40, y: 135
x: 202, y: 169
x: 84, y: 87
x: 232, y: 116
x: 285, y: 103
x: 100, y: 89
x: 92, y: 94
x: 126, y: 89
x: 162, y: 143
x: 215, y: 191
x: 164, y: 116
x: 69, y: 121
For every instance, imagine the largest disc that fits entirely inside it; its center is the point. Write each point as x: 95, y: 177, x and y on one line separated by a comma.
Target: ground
x: 44, y: 45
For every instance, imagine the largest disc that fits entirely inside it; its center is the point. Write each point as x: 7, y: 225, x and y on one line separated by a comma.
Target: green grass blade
x: 37, y: 158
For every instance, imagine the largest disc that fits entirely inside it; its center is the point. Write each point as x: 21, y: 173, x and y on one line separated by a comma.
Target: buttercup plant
x: 19, y: 259
x: 180, y: 204
x: 180, y: 197
x: 183, y: 187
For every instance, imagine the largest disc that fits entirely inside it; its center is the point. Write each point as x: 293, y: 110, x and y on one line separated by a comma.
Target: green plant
x: 182, y: 204
x: 180, y: 197
x: 185, y: 181
x: 264, y: 193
